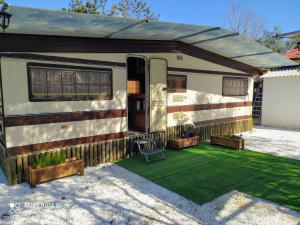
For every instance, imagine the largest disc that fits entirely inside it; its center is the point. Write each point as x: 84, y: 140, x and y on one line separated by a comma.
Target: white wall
x: 16, y: 99
x: 206, y: 89
x: 41, y: 133
x: 202, y: 89
x: 281, y: 103
x: 187, y: 62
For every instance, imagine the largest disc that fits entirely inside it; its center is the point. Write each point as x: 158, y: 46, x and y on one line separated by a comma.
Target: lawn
x: 206, y: 172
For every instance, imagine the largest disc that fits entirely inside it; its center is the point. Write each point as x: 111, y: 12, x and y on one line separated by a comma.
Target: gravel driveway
x: 106, y: 194
x: 236, y: 208
x: 109, y: 194
x: 276, y: 141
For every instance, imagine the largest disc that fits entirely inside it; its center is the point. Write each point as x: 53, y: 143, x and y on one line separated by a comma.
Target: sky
x: 285, y: 13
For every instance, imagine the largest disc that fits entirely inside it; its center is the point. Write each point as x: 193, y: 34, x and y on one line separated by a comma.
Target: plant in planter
x: 234, y: 141
x: 188, y: 133
x: 46, y: 160
x: 237, y: 136
x: 187, y: 139
x: 48, y: 168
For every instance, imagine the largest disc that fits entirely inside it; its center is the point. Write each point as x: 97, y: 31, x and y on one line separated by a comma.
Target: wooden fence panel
x: 92, y: 154
x: 25, y: 166
x: 19, y: 168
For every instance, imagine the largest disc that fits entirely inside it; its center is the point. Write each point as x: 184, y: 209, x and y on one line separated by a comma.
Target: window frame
x: 177, y: 90
x: 235, y: 78
x: 66, y: 67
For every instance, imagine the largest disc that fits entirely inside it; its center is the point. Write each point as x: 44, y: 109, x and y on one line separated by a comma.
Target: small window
x: 177, y: 83
x: 55, y: 82
x: 235, y: 86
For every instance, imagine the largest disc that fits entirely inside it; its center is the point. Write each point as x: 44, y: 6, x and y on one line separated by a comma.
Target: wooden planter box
x: 71, y: 167
x: 235, y: 143
x: 181, y: 143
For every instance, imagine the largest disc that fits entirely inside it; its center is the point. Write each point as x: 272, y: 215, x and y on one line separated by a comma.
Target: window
x: 235, y: 86
x: 177, y: 83
x: 62, y: 83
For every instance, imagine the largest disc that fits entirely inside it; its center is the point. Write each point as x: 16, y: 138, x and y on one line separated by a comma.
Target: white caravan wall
x: 201, y: 89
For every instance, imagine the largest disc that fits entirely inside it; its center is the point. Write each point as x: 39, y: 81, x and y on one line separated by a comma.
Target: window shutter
x: 235, y: 86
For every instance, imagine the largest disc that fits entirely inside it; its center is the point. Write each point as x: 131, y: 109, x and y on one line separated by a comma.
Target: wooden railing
x: 93, y: 154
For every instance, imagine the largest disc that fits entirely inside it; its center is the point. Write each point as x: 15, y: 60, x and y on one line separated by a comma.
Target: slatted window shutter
x: 59, y: 83
x: 235, y: 86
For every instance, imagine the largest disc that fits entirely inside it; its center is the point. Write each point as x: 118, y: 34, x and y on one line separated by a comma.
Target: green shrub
x: 46, y: 160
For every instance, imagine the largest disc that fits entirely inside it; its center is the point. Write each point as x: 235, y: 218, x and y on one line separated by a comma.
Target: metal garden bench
x: 148, y: 147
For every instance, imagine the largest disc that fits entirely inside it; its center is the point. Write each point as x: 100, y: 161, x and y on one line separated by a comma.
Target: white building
x: 281, y: 98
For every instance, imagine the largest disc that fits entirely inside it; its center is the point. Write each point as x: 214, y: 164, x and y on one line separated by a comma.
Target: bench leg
x: 147, y: 160
x: 163, y: 156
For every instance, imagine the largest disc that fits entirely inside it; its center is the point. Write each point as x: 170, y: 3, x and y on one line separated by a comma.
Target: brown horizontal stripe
x: 223, y: 120
x: 23, y: 120
x: 212, y: 72
x: 63, y: 143
x: 187, y: 108
x: 13, y: 151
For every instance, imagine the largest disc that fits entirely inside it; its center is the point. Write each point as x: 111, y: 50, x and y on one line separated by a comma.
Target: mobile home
x: 71, y: 79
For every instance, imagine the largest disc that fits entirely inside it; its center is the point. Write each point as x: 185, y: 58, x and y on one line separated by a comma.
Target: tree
x: 134, y: 8
x: 273, y: 41
x: 89, y: 6
x: 124, y: 8
x: 244, y: 21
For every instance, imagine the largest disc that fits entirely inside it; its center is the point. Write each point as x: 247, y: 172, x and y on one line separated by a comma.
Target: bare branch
x: 244, y: 21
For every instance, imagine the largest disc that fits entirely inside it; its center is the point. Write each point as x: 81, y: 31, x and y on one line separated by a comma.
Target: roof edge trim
x: 47, y: 43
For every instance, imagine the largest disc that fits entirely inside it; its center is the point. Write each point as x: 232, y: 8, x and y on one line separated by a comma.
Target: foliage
x: 273, y: 41
x: 124, y: 8
x: 206, y: 172
x: 134, y: 8
x: 46, y: 160
x: 89, y: 6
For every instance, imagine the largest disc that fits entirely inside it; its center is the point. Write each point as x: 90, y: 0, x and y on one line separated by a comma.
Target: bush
x: 46, y: 160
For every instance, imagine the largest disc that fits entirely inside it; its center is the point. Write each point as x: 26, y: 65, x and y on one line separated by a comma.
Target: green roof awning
x: 213, y: 39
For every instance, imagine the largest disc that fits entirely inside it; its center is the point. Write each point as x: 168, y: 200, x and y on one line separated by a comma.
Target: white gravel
x: 109, y: 194
x: 106, y: 194
x: 276, y: 141
x: 238, y: 208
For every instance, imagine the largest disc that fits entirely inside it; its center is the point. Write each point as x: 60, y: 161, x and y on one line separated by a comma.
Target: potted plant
x: 188, y: 139
x: 48, y: 168
x: 232, y: 141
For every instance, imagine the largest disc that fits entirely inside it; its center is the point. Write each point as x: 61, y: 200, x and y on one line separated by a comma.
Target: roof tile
x: 293, y: 54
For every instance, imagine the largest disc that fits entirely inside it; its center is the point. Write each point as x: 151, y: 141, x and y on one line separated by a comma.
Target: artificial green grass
x: 206, y: 172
